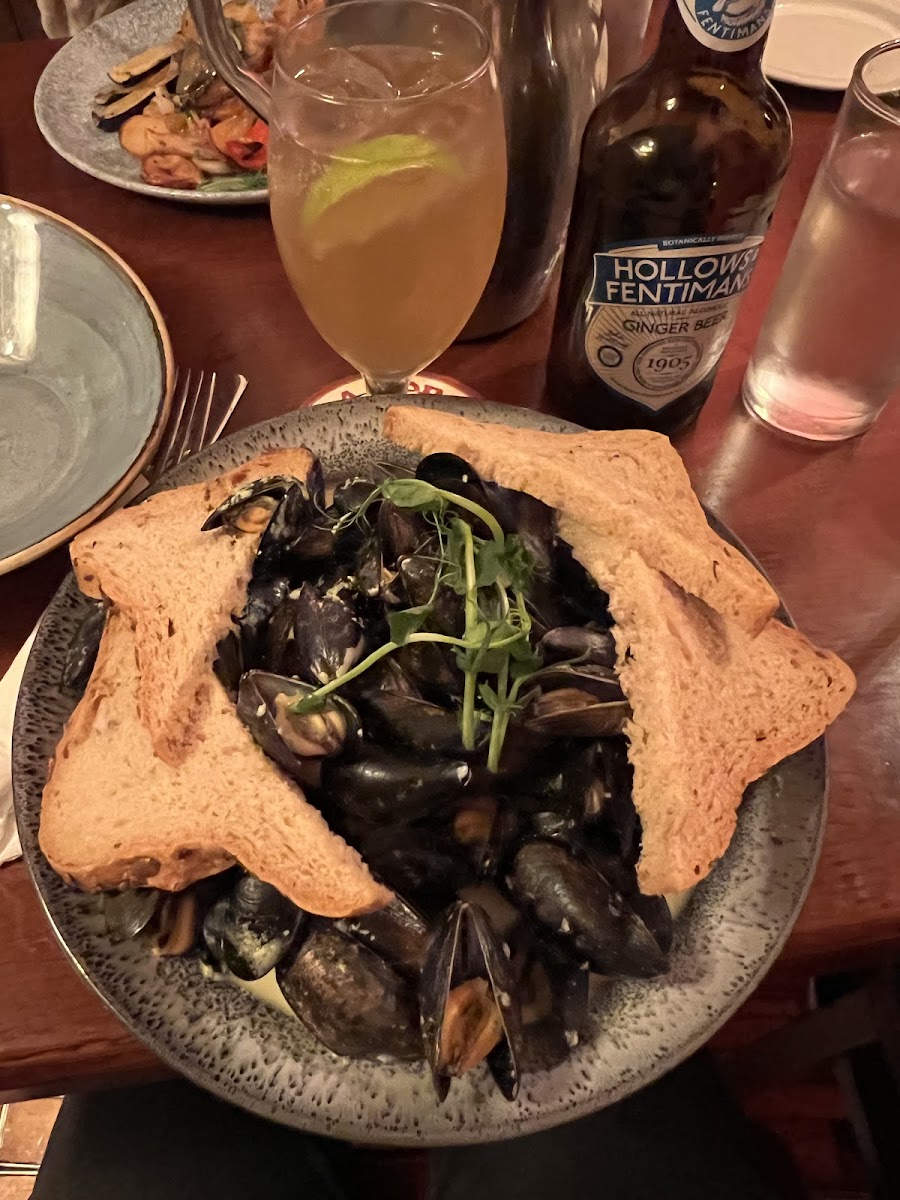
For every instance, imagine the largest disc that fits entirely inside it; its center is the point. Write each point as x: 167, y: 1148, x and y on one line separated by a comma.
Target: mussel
x: 264, y: 595
x: 250, y: 508
x: 574, y: 712
x: 264, y: 701
x: 249, y: 929
x: 299, y: 530
x: 574, y: 902
x: 316, y: 636
x: 469, y: 1002
x: 350, y: 998
x: 396, y: 932
x: 590, y: 647
x: 128, y: 913
x: 418, y: 861
x: 377, y: 787
x: 398, y: 717
x: 82, y: 652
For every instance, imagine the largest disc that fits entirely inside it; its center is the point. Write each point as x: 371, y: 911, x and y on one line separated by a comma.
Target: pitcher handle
x: 224, y: 56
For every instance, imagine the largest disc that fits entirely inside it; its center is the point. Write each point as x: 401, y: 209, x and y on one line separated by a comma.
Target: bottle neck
x: 680, y: 47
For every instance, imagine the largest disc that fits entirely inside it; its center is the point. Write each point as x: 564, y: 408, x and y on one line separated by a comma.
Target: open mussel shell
x: 128, y: 913
x: 299, y: 532
x: 575, y: 903
x: 350, y: 998
x: 377, y: 786
x: 82, y: 652
x: 352, y: 494
x: 250, y: 508
x: 591, y: 647
x: 396, y: 932
x: 573, y: 712
x: 469, y: 1003
x: 264, y: 701
x: 249, y: 929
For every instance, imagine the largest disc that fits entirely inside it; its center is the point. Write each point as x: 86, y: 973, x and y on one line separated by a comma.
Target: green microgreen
x: 492, y: 574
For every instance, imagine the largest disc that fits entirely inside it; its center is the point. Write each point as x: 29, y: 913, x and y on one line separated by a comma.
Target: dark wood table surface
x: 823, y: 521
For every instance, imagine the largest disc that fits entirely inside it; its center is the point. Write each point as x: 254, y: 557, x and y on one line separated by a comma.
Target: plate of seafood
x: 422, y: 773
x: 133, y: 101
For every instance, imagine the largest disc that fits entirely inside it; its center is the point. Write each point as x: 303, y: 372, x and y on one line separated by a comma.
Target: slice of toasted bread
x: 713, y: 709
x: 115, y: 814
x: 631, y: 486
x: 719, y: 691
x: 178, y: 587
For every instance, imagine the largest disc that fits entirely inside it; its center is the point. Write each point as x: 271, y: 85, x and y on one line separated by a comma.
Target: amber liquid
x: 391, y: 271
x: 695, y: 142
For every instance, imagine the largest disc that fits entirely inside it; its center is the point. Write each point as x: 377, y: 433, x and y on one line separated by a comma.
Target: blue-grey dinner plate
x: 85, y: 380
x: 250, y: 1054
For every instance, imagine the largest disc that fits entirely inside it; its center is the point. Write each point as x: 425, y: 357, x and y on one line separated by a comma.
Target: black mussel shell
x: 653, y: 910
x: 82, y: 652
x: 591, y: 647
x: 584, y: 598
x: 128, y: 913
x: 559, y: 782
x: 401, y: 532
x: 466, y: 949
x: 398, y: 718
x: 249, y: 929
x: 352, y: 495
x: 576, y: 904
x: 573, y: 712
x: 600, y: 682
x: 432, y: 670
x: 418, y: 861
x: 289, y: 738
x: 299, y: 532
x: 350, y: 998
x: 228, y: 664
x: 379, y: 787
x: 264, y: 596
x: 616, y: 824
x: 250, y: 508
x: 317, y: 637
x: 396, y: 932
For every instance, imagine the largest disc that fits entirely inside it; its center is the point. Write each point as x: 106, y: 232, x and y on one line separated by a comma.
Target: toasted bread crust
x: 116, y: 812
x: 719, y: 690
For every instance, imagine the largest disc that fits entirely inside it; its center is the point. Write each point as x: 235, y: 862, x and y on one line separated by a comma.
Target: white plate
x: 65, y: 93
x: 817, y: 43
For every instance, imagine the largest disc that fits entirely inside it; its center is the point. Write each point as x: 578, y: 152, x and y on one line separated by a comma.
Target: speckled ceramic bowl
x: 226, y: 1041
x: 65, y: 93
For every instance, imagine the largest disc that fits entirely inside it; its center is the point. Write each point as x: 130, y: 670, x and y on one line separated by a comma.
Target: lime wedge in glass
x: 365, y: 162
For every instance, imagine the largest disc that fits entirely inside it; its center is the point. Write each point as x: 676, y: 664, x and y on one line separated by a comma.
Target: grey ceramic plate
x: 85, y: 379
x: 64, y: 98
x: 227, y: 1041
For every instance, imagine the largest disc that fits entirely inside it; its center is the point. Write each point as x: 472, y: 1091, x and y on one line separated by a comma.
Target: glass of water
x: 828, y: 356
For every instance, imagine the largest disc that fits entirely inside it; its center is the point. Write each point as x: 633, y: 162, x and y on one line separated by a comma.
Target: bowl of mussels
x: 425, y: 657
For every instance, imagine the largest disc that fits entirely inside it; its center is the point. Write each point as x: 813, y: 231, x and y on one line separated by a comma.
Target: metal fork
x: 201, y: 406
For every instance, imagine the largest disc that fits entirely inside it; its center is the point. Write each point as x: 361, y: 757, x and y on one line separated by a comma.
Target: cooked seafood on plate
x: 185, y: 125
x: 432, y: 746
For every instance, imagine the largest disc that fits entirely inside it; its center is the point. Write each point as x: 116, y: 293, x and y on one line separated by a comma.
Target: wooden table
x: 822, y: 521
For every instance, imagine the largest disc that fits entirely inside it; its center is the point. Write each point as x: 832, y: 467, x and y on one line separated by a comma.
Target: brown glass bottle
x: 681, y: 165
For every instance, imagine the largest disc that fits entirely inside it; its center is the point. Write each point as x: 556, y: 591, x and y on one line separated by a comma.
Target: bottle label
x: 660, y: 312
x: 727, y: 25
